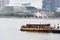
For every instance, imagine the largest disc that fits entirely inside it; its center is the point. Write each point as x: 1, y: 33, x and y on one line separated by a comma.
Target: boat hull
x: 55, y: 31
x: 36, y: 30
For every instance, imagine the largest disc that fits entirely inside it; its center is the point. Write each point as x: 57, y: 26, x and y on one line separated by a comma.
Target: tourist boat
x: 36, y: 27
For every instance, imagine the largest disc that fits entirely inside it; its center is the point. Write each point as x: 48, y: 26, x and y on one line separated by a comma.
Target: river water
x: 9, y: 29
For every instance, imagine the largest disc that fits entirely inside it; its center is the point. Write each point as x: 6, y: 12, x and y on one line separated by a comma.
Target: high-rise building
x: 3, y: 3
x: 50, y: 5
x: 0, y: 3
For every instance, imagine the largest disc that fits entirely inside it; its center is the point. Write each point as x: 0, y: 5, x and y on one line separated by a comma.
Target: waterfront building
x: 19, y: 9
x: 13, y: 9
x: 31, y: 9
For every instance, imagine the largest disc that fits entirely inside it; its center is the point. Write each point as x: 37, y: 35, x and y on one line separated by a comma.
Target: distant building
x: 3, y: 3
x: 50, y: 5
x: 19, y: 9
x: 26, y: 4
x: 31, y: 9
x: 13, y: 9
x: 0, y: 3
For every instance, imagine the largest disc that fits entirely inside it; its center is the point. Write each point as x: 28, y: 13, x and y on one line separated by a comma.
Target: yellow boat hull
x: 34, y: 29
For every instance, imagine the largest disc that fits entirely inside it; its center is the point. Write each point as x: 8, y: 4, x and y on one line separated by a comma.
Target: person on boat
x: 58, y: 26
x: 54, y: 25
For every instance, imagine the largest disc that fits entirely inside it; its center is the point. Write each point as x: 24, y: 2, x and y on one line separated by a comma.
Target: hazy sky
x: 36, y: 3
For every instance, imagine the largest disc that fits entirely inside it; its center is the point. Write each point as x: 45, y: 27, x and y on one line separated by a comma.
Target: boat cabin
x: 36, y: 26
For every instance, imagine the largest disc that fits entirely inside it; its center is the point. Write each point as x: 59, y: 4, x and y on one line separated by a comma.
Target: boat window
x: 23, y: 26
x: 32, y: 26
x: 36, y: 26
x: 28, y: 25
x: 40, y: 26
x: 45, y: 26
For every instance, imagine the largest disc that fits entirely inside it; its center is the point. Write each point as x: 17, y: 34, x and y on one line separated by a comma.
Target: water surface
x: 9, y: 29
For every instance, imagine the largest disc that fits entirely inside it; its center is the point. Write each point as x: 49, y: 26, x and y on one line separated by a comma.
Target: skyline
x: 35, y: 3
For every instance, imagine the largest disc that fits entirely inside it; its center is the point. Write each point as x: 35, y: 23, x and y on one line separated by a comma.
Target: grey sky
x: 36, y: 3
